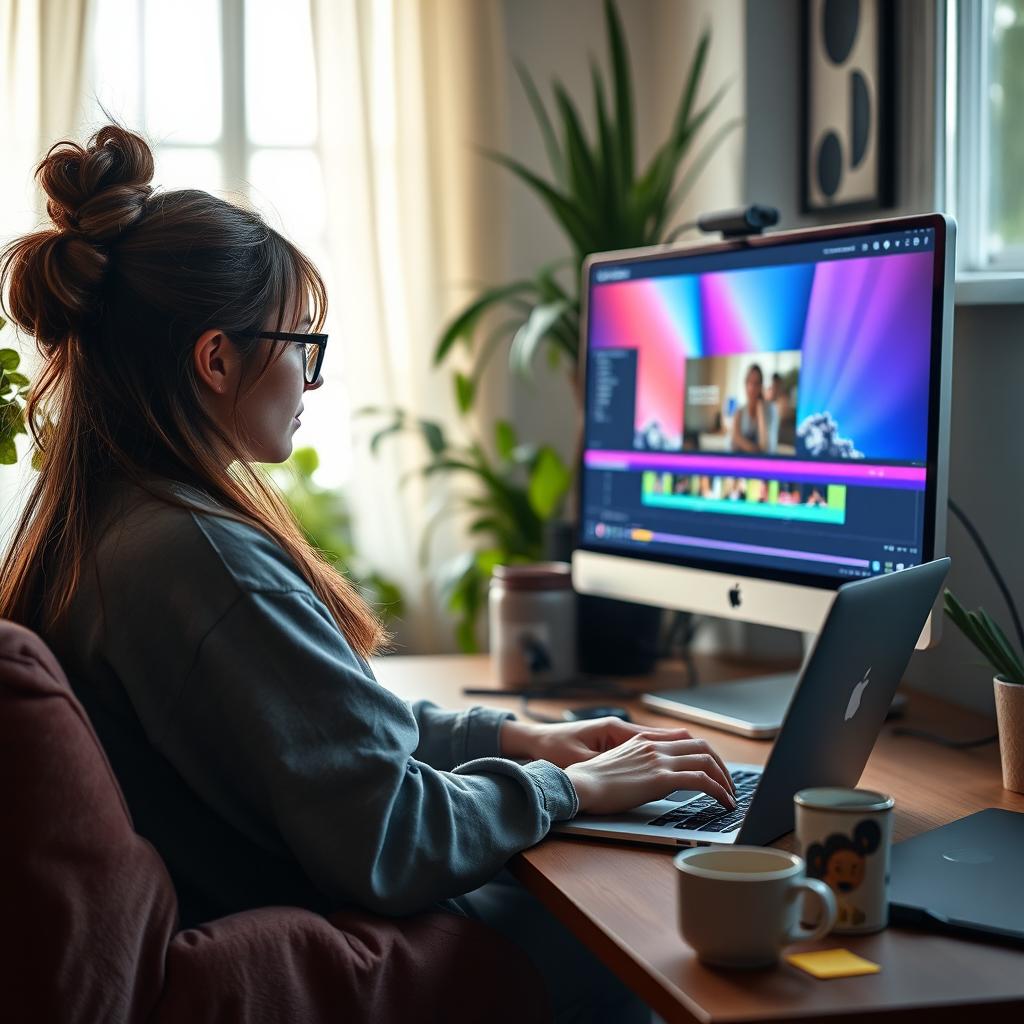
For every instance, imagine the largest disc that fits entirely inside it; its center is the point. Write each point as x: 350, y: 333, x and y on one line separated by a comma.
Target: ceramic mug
x: 739, y: 905
x: 845, y: 836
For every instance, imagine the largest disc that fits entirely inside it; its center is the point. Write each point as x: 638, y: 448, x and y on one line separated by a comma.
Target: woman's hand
x: 649, y: 768
x: 615, y: 765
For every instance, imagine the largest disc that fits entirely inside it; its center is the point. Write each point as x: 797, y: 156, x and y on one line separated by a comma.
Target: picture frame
x: 848, y: 93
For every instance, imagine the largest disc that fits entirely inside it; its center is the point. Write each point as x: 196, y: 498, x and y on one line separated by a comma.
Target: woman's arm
x: 763, y: 440
x: 739, y: 442
x: 282, y: 732
x: 450, y: 738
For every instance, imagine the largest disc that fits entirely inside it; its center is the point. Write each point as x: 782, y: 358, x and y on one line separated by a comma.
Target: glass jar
x: 532, y: 618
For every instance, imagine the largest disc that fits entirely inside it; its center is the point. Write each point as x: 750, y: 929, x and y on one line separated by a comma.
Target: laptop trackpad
x: 682, y: 796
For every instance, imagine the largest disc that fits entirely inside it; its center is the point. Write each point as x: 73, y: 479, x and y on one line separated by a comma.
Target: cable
x: 679, y: 230
x: 534, y: 716
x: 945, y: 741
x: 975, y: 535
x: 992, y: 568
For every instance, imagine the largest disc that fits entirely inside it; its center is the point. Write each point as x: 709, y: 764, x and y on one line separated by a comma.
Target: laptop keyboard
x: 706, y: 814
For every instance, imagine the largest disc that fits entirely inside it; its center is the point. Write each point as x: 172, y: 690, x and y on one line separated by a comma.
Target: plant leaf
x: 682, y: 118
x: 698, y: 164
x: 464, y: 323
x: 532, y: 333
x: 465, y: 389
x: 582, y: 174
x: 1002, y: 644
x: 567, y: 212
x: 306, y: 461
x: 392, y: 428
x: 505, y: 439
x: 549, y: 482
x: 9, y: 359
x: 611, y: 159
x: 8, y: 453
x: 554, y: 152
x: 623, y: 89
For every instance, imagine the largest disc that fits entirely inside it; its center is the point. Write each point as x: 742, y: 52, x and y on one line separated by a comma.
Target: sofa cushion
x: 89, y: 913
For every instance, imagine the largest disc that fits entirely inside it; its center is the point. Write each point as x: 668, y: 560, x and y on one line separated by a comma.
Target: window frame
x: 966, y: 157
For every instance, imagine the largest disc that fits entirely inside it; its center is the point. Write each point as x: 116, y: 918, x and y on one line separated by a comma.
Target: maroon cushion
x: 88, y: 912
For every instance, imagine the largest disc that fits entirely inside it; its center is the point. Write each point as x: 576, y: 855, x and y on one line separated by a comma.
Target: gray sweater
x: 255, y: 747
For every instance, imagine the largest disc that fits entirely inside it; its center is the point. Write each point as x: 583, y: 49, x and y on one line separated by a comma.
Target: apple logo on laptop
x: 735, y: 598
x: 858, y: 690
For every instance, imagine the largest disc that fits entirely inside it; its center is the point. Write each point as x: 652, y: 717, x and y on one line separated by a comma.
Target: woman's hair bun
x: 94, y: 193
x: 101, y: 189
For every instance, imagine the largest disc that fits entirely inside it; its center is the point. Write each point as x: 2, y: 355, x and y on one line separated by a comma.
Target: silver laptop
x: 831, y: 725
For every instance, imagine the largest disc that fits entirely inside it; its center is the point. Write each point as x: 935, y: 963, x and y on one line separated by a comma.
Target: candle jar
x: 532, y: 619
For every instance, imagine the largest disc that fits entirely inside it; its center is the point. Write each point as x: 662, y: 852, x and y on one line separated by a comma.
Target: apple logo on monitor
x: 735, y: 598
x: 858, y: 690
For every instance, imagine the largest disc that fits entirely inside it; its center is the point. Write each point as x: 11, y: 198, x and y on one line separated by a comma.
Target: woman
x: 221, y: 659
x: 755, y: 427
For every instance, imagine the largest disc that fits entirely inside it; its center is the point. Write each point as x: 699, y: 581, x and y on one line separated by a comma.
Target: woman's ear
x: 216, y: 361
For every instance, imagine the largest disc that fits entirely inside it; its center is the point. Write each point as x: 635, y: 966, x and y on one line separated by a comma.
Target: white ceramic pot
x: 1010, y: 720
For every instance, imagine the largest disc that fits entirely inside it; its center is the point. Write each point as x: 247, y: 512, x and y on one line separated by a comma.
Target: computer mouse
x: 595, y: 711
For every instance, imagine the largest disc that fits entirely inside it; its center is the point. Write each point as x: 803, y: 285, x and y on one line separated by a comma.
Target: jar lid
x: 537, y: 576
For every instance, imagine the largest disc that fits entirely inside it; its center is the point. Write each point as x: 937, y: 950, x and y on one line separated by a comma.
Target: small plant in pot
x: 984, y: 632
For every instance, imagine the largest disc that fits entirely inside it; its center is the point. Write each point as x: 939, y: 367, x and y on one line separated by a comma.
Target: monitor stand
x: 752, y: 707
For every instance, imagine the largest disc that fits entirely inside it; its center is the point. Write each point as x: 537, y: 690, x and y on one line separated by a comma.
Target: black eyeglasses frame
x: 300, y: 338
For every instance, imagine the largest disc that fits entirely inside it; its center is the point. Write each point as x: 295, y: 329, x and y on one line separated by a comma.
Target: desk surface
x: 620, y: 898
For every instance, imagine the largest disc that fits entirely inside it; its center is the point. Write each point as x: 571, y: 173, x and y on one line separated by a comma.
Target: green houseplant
x: 13, y: 391
x: 323, y: 515
x: 601, y: 199
x: 985, y: 634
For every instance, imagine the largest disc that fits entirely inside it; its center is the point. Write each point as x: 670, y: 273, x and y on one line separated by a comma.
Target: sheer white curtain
x: 407, y: 91
x: 42, y: 70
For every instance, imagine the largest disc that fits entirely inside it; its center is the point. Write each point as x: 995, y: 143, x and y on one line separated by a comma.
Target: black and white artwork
x: 848, y: 104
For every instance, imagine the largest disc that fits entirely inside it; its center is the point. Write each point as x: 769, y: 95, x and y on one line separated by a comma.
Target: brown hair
x: 116, y: 294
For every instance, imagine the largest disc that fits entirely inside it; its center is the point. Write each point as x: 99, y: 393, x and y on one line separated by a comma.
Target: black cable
x: 972, y: 531
x: 945, y: 741
x: 678, y: 230
x: 992, y: 568
x: 534, y: 716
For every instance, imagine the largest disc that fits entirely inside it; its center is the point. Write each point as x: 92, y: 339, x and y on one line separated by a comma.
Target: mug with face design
x: 845, y: 836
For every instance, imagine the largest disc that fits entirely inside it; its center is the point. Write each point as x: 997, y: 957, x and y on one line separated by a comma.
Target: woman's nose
x: 318, y: 383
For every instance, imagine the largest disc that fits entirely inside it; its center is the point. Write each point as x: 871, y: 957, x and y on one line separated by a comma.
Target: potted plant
x: 984, y: 632
x: 601, y: 199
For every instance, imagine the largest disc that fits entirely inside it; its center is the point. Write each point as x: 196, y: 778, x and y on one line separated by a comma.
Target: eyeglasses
x: 313, y: 346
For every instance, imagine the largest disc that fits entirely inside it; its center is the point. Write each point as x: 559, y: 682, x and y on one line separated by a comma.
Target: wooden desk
x: 620, y: 898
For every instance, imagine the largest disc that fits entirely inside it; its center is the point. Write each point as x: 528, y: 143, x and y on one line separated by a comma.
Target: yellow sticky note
x: 833, y: 963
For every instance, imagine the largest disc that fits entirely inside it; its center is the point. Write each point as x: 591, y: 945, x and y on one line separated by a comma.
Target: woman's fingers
x: 706, y: 784
x: 661, y: 734
x: 703, y: 763
x: 680, y: 748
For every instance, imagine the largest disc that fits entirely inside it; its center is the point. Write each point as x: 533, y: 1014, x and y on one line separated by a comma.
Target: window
x: 225, y: 91
x: 987, y: 94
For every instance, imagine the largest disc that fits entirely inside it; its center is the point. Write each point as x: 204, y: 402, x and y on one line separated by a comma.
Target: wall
x: 988, y: 364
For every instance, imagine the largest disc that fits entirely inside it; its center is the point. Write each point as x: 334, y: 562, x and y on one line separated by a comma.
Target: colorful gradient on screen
x: 863, y: 326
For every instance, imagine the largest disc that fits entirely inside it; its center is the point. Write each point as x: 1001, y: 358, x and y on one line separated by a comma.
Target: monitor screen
x: 767, y: 408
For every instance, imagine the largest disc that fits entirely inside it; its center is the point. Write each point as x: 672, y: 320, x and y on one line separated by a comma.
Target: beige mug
x: 845, y: 836
x: 740, y: 905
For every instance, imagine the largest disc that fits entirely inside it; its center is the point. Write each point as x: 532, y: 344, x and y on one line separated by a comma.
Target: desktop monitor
x: 766, y: 418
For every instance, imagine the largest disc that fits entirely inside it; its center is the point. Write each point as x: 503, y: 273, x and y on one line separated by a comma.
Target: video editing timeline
x: 764, y: 407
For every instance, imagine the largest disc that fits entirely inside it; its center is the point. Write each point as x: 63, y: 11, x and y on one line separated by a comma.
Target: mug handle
x: 829, y: 911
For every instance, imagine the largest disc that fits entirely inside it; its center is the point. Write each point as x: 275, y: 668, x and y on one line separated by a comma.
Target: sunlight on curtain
x: 42, y: 62
x: 406, y: 89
